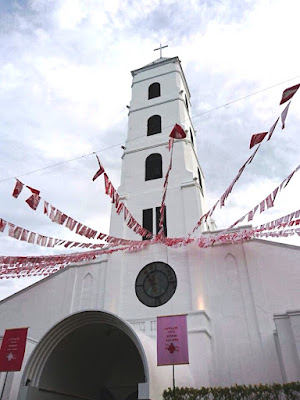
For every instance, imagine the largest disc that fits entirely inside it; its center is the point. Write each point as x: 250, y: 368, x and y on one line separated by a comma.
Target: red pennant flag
x: 100, y: 170
x: 18, y: 189
x: 31, y: 237
x: 2, y: 225
x: 63, y: 218
x: 13, y: 349
x: 78, y: 227
x: 262, y: 206
x: 11, y: 229
x: 57, y: 217
x: 177, y: 132
x: 284, y: 115
x: 289, y: 93
x: 269, y: 201
x: 120, y: 208
x: 171, y: 142
x: 272, y: 128
x: 52, y: 213
x: 24, y: 235
x: 126, y: 213
x: 275, y: 191
x: 33, y: 201
x: 34, y: 191
x: 289, y: 178
x: 257, y: 138
x: 39, y: 239
x: 252, y: 213
x: 17, y: 232
x: 46, y: 206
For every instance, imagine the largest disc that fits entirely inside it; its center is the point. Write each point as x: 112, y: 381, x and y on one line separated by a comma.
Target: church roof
x: 153, y: 64
x: 162, y: 61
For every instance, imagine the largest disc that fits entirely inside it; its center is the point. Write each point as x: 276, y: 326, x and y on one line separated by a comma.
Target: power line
x: 170, y: 126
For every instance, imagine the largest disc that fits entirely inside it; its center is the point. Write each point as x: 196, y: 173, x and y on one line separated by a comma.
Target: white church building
x: 92, y: 326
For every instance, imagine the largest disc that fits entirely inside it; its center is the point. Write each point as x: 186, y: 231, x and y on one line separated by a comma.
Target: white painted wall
x: 230, y: 292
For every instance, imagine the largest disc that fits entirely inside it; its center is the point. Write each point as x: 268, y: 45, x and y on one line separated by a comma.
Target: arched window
x: 154, y: 125
x: 186, y: 102
x: 192, y: 139
x: 153, y: 167
x: 154, y: 90
x: 200, y: 181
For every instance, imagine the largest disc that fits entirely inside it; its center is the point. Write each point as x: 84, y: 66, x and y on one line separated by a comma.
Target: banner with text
x: 13, y: 349
x: 172, y: 340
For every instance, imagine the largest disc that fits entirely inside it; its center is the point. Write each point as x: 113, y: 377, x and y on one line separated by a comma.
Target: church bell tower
x: 160, y: 99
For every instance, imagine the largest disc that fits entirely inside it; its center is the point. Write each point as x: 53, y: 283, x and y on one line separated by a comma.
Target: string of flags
x: 255, y: 139
x: 46, y: 265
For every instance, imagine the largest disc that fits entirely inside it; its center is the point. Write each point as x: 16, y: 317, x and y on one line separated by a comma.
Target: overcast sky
x: 65, y: 82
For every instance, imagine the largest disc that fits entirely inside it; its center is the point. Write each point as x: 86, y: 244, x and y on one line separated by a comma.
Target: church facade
x: 92, y: 326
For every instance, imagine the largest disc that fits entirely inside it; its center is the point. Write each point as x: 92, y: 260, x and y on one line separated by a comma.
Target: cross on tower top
x: 160, y: 48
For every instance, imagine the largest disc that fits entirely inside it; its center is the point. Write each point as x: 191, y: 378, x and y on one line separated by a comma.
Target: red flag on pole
x: 289, y: 93
x: 172, y: 341
x: 257, y: 138
x: 13, y: 349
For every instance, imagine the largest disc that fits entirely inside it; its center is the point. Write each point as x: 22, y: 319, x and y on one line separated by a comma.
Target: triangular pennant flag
x: 284, y: 114
x: 33, y: 201
x: 177, y: 132
x: 272, y: 128
x: 262, y: 206
x: 46, y: 206
x: 24, y: 235
x: 34, y: 191
x: 100, y: 170
x: 18, y: 189
x: 269, y: 201
x: 31, y: 237
x: 2, y: 224
x: 289, y: 93
x: 257, y: 138
x: 52, y: 213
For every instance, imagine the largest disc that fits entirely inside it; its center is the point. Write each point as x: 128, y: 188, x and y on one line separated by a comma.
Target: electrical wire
x: 119, y: 144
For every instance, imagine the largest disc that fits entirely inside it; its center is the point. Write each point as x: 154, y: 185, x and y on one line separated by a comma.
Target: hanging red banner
x: 13, y: 349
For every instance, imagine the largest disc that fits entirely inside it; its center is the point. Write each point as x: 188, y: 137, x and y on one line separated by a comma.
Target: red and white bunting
x: 17, y: 189
x: 33, y: 201
x: 284, y: 115
x: 100, y: 170
x: 272, y: 129
x: 116, y: 200
x: 257, y: 138
x: 289, y: 93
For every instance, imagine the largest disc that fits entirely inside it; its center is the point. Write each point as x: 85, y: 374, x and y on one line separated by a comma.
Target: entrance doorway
x: 89, y: 356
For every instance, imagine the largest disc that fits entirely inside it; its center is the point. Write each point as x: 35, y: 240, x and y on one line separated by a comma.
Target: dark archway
x: 95, y: 356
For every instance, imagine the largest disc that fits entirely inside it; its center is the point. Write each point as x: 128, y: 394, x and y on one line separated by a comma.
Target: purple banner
x: 172, y: 341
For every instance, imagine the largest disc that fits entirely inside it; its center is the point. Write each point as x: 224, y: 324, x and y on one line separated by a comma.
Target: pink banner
x: 172, y: 341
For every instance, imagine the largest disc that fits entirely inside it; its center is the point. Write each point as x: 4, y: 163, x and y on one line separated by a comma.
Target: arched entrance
x: 90, y: 355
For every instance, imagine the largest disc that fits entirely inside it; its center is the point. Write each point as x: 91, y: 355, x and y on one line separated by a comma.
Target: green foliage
x: 286, y: 391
